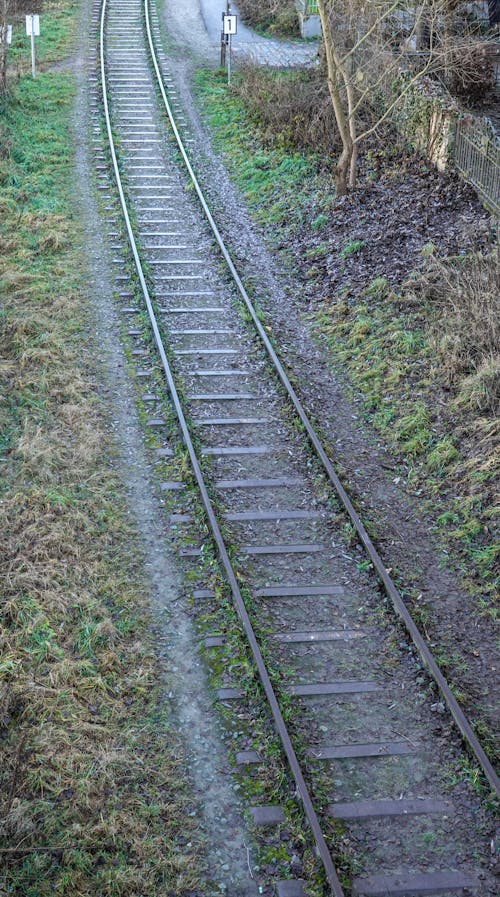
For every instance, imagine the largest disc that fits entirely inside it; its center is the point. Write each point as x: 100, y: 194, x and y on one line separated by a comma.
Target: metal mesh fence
x: 476, y: 154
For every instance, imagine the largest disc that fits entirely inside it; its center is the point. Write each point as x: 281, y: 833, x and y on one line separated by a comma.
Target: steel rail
x: 300, y: 782
x: 402, y: 611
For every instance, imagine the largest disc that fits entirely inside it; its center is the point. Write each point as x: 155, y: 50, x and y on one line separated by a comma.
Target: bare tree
x: 5, y: 9
x: 370, y: 44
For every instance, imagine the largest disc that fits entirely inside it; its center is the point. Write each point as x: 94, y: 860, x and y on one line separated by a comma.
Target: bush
x: 292, y: 108
x: 472, y: 72
x: 272, y: 15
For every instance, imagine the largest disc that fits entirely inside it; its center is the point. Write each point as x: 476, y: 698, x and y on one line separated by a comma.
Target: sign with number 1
x: 230, y: 24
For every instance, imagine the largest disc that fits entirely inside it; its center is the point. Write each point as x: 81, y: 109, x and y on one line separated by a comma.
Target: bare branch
x: 368, y: 34
x: 368, y: 43
x: 393, y: 105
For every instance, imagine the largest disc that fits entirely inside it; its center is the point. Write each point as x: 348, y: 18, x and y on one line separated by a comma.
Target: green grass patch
x: 354, y: 247
x: 275, y: 181
x: 90, y: 786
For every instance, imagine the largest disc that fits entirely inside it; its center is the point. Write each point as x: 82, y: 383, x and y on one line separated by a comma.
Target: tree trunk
x: 3, y: 45
x: 343, y: 173
x: 351, y: 102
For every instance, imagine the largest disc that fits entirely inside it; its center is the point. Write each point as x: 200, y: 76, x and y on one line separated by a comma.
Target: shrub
x: 472, y: 72
x: 278, y: 16
x: 292, y: 108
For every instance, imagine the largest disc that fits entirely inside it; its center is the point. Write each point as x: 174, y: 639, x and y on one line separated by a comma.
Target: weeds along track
x: 371, y: 731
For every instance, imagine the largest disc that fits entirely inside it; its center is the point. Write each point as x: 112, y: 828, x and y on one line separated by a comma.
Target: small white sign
x: 230, y: 24
x: 7, y: 31
x: 33, y: 25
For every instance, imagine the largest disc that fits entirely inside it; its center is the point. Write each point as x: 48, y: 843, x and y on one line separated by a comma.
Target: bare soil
x: 402, y: 208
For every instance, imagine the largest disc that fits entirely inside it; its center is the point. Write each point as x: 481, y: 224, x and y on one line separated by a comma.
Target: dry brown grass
x: 466, y: 326
x: 83, y: 762
x: 50, y: 230
x: 91, y: 786
x: 482, y: 388
x: 292, y: 108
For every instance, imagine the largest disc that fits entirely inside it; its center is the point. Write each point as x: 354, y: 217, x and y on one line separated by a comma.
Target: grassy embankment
x: 424, y: 361
x: 92, y: 797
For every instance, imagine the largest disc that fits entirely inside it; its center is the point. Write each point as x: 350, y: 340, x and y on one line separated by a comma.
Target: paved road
x: 248, y: 44
x: 211, y: 11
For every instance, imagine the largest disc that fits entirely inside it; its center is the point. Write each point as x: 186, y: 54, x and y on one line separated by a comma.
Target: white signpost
x: 230, y: 24
x: 33, y: 30
x: 230, y: 27
x: 8, y: 34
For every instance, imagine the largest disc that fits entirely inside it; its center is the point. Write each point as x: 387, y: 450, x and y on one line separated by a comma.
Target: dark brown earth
x: 407, y: 208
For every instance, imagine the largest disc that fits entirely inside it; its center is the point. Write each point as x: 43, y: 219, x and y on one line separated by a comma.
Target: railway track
x: 271, y: 498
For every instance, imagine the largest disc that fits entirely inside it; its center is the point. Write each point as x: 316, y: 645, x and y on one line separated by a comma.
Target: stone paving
x: 251, y: 46
x: 278, y: 54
